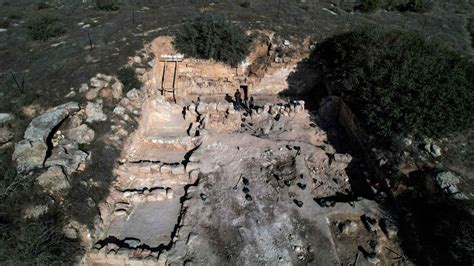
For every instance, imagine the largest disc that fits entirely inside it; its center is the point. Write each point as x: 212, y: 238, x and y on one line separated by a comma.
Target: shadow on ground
x: 434, y: 229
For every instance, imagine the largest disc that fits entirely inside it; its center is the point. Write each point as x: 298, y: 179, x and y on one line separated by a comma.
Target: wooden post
x: 174, y: 80
x: 163, y: 79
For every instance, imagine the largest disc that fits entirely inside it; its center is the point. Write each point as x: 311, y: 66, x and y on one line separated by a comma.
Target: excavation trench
x: 205, y: 182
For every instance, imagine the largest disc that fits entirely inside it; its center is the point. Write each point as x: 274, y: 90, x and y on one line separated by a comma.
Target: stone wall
x: 207, y: 77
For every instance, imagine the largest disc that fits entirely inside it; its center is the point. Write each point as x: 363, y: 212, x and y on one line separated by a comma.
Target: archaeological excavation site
x: 230, y: 137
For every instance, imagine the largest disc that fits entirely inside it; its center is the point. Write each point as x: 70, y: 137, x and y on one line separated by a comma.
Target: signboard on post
x: 170, y: 58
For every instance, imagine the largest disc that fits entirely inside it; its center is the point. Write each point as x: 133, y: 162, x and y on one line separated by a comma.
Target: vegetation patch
x: 397, y: 83
x: 245, y: 4
x: 369, y: 5
x: 33, y: 241
x: 420, y: 6
x: 4, y: 23
x: 212, y: 37
x: 42, y: 5
x: 44, y: 26
x: 129, y: 79
x: 107, y: 5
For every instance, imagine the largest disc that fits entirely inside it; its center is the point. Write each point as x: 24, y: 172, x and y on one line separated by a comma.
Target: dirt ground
x: 262, y: 185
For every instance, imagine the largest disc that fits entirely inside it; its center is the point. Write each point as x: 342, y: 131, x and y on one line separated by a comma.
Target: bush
x: 415, y: 5
x: 245, y: 4
x: 4, y: 23
x: 108, y: 5
x: 42, y: 5
x: 397, y: 83
x: 27, y: 241
x: 209, y: 36
x: 15, y: 16
x: 369, y: 5
x: 44, y: 27
x: 127, y: 76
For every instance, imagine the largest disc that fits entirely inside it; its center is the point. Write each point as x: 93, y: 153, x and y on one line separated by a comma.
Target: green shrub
x: 42, y: 5
x: 44, y: 26
x: 4, y: 23
x: 127, y: 76
x: 369, y: 5
x: 27, y: 241
x: 397, y: 83
x: 108, y: 5
x: 414, y: 5
x: 245, y: 4
x: 209, y: 36
x: 15, y: 15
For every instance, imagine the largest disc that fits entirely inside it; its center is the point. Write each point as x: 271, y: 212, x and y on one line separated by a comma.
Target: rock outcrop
x: 30, y: 153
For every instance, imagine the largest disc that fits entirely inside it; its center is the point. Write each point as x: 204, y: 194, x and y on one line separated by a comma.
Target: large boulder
x: 30, y: 152
x: 41, y: 126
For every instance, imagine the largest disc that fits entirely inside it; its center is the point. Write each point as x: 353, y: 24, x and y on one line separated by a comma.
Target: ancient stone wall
x: 263, y: 72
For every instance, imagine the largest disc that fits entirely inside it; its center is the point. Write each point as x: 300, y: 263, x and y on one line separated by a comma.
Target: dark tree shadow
x: 435, y: 229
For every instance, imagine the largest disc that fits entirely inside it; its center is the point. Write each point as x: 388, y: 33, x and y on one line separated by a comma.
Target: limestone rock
x: 41, y: 127
x: 29, y: 155
x: 140, y: 70
x: 435, y: 150
x: 133, y: 243
x: 134, y: 94
x: 137, y: 59
x: 82, y: 134
x: 104, y: 77
x: 70, y: 94
x: 6, y: 117
x: 342, y: 158
x: 94, y: 112
x: 119, y: 110
x: 70, y: 230
x: 84, y: 87
x: 447, y: 178
x: 54, y: 180
x: 34, y: 212
x: 448, y: 181
x: 97, y: 83
x: 68, y: 155
x: 407, y: 141
x: 117, y: 90
x: 5, y: 135
x: 92, y: 94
